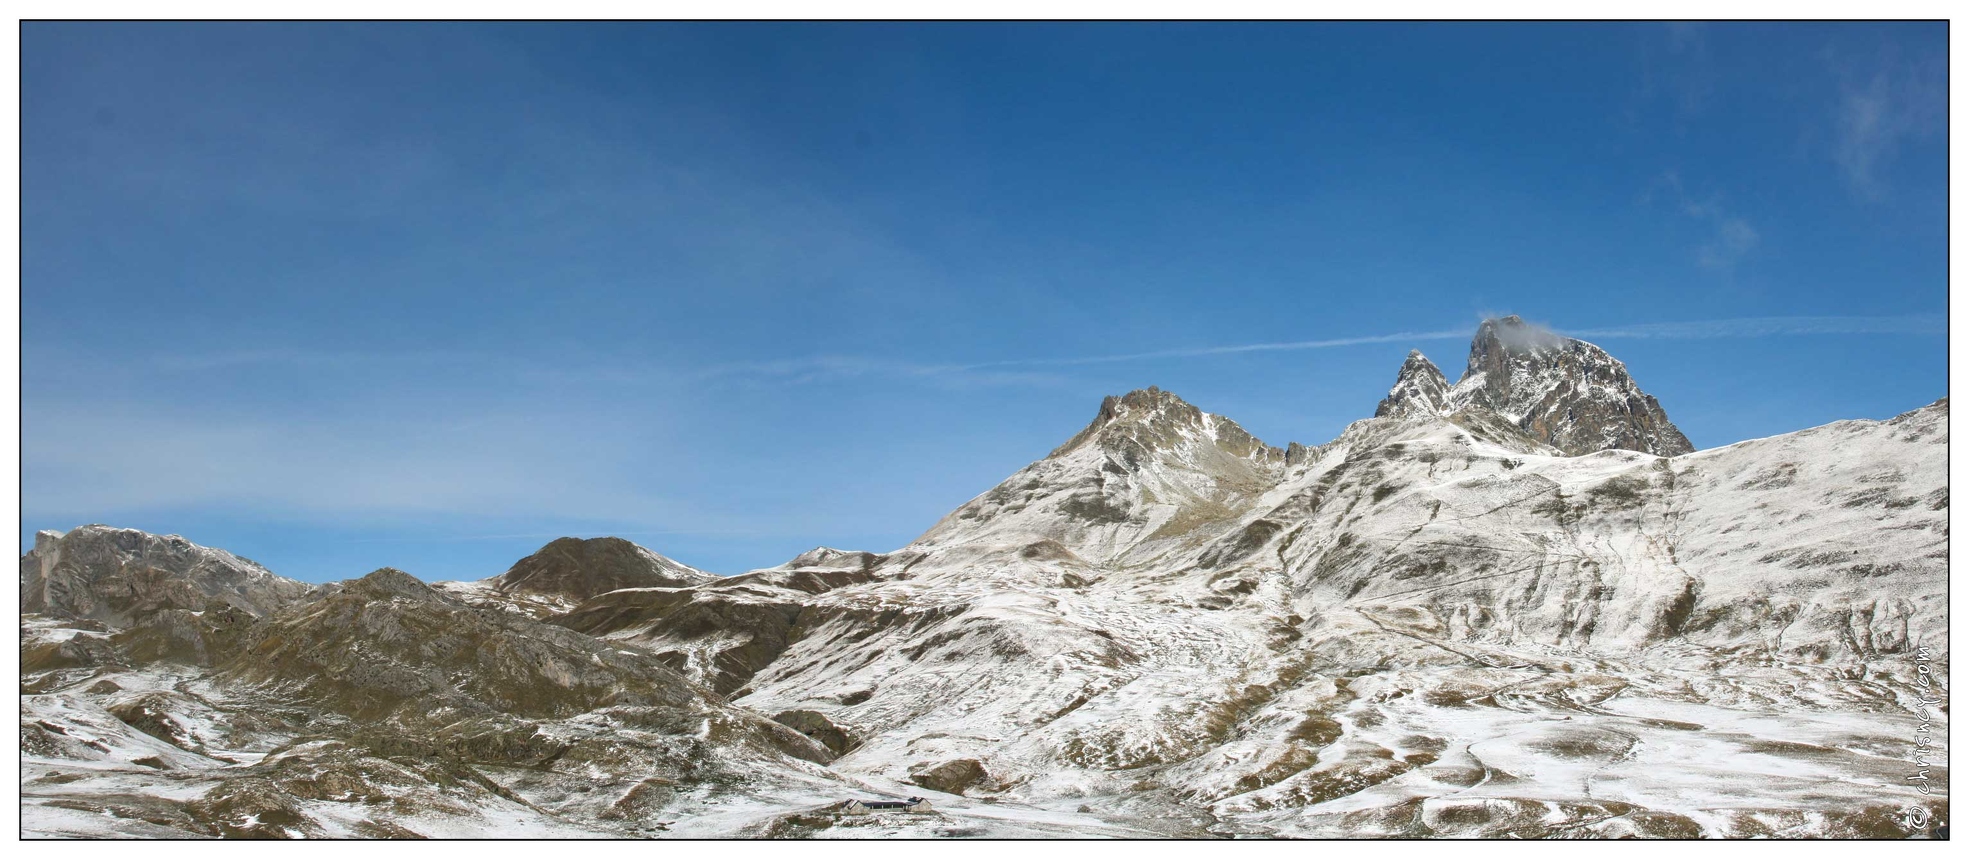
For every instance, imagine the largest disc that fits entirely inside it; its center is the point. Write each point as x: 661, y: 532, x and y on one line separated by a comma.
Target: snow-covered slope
x: 1409, y: 590
x: 1514, y: 607
x: 1150, y: 471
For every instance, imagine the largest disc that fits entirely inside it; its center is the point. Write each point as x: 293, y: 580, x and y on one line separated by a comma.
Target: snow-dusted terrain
x: 1513, y: 606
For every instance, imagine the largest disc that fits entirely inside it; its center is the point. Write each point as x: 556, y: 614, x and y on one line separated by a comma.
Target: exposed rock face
x: 817, y: 726
x: 951, y: 777
x: 112, y: 575
x: 577, y: 569
x: 1564, y: 392
x: 1420, y: 387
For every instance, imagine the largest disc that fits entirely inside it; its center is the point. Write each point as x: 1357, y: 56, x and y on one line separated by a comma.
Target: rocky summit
x: 1559, y: 391
x: 1567, y: 393
x: 1419, y: 387
x: 1516, y: 606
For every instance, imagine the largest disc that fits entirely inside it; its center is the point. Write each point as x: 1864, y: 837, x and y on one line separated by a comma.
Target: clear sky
x: 339, y: 297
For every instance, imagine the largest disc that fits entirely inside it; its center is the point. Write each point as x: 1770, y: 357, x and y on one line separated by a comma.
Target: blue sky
x: 337, y: 297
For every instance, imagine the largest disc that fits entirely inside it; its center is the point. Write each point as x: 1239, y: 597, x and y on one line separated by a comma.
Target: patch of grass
x: 1619, y: 493
x: 1561, y: 510
x: 1315, y: 730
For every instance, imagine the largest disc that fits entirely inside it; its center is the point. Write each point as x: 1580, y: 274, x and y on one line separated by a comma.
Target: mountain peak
x: 580, y: 568
x: 1563, y: 391
x: 1511, y: 334
x: 1150, y: 404
x: 388, y: 582
x: 1419, y: 387
x: 1147, y: 401
x: 1151, y: 419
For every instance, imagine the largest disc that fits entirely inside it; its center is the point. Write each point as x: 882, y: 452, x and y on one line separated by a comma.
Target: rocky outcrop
x: 577, y: 569
x: 816, y: 725
x: 114, y: 575
x: 950, y: 777
x: 1565, y: 392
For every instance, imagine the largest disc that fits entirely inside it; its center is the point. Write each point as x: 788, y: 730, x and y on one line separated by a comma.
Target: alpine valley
x: 1515, y: 605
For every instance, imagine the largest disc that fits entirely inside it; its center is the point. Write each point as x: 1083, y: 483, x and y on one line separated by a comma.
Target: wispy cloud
x: 1882, y: 106
x: 1918, y: 324
x: 1676, y: 62
x: 1730, y: 237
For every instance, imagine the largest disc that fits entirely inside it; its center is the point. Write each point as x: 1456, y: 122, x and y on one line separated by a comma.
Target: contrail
x: 1744, y: 327
x: 1772, y: 326
x: 824, y: 366
x: 1222, y: 350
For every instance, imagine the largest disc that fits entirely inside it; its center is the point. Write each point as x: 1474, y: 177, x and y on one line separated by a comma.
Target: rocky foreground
x: 1518, y: 605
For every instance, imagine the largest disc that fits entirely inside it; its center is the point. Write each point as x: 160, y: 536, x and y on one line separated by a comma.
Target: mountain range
x: 1518, y: 605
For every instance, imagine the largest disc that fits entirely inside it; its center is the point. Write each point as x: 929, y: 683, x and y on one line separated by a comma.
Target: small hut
x: 865, y: 807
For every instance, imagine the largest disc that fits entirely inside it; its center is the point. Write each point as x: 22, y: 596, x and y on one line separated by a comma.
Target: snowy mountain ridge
x: 1513, y: 606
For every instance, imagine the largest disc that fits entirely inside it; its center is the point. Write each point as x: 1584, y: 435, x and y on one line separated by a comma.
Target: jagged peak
x: 1137, y: 405
x: 1513, y: 334
x: 1563, y: 391
x: 1144, y: 402
x: 1420, y: 388
x: 1510, y: 340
